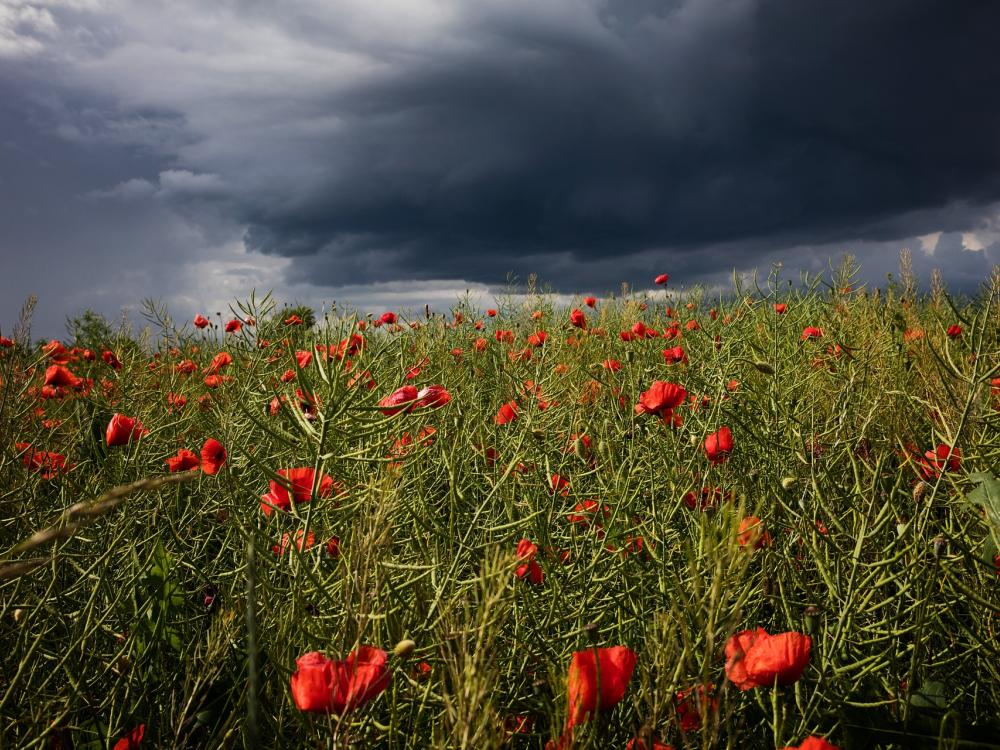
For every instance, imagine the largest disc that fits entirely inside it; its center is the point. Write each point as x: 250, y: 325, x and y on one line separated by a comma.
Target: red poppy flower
x: 293, y: 320
x: 480, y: 344
x: 185, y: 460
x: 48, y: 464
x: 111, y: 360
x: 813, y: 743
x: 780, y: 308
x: 954, y: 331
x: 616, y: 665
x: 123, y: 430
x: 577, y: 319
x: 492, y: 313
x: 558, y: 484
x: 662, y: 279
x: 526, y: 551
x: 388, y: 318
x: 200, y: 321
x: 301, y: 481
x: 219, y: 361
x: 538, y: 338
x: 756, y: 659
x: 321, y: 685
x: 60, y: 377
x: 585, y: 513
x: 811, y: 332
x: 431, y: 397
x: 303, y: 358
x: 675, y: 355
x: 719, y: 445
x: 6, y: 343
x: 302, y: 543
x: 132, y: 740
x: 213, y: 456
x: 185, y: 367
x: 752, y: 533
x: 941, y: 459
x: 590, y: 301
x: 637, y: 744
x: 399, y: 400
x: 661, y: 399
x: 612, y: 365
x: 233, y: 326
x: 693, y: 705
x: 333, y: 547
x: 507, y: 413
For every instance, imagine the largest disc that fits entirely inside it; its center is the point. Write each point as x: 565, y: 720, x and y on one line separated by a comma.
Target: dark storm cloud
x: 704, y: 124
x: 180, y: 151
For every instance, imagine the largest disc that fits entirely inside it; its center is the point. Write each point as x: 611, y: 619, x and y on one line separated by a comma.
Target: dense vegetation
x: 547, y: 498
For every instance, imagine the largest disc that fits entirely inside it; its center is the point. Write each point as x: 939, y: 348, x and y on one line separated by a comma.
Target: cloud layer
x: 322, y: 147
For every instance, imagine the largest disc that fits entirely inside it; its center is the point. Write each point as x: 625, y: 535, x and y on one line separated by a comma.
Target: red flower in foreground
x: 616, y: 665
x: 719, y: 445
x: 756, y: 659
x: 577, y: 319
x: 213, y: 456
x: 662, y: 279
x: 388, y: 318
x: 941, y: 459
x: 661, y: 399
x: 301, y: 481
x: 752, y: 533
x: 526, y: 551
x: 321, y: 685
x: 813, y: 743
x: 637, y: 744
x: 399, y: 400
x: 233, y: 326
x: 185, y: 460
x: 431, y: 397
x: 60, y: 376
x: 132, y: 740
x: 200, y: 321
x: 123, y: 430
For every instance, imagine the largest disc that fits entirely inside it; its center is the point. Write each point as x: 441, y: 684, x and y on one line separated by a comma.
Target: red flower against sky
x: 780, y: 308
x: 200, y: 321
x: 662, y: 279
x: 590, y: 301
x: 233, y: 326
x: 756, y: 659
x: 322, y: 685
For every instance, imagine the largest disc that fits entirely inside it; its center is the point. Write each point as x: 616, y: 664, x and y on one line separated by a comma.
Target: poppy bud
x: 404, y: 648
x: 812, y: 615
x: 693, y: 440
x: 591, y: 629
x: 787, y: 483
x: 938, y: 545
x: 538, y: 686
x: 764, y: 367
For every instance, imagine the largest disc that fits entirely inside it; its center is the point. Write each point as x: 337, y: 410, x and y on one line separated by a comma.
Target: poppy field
x: 766, y: 519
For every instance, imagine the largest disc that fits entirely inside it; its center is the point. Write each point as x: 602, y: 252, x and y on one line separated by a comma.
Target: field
x: 535, y: 525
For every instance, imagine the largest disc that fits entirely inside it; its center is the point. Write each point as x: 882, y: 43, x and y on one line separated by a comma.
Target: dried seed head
x: 919, y: 490
x: 18, y: 614
x: 787, y: 483
x: 404, y: 648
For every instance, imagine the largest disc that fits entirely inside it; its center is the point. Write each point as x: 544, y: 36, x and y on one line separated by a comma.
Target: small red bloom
x: 399, y: 400
x: 577, y: 319
x: 213, y: 456
x: 132, y: 740
x: 293, y: 320
x: 301, y: 481
x: 507, y: 413
x: 123, y: 430
x: 321, y: 685
x: 719, y: 445
x: 526, y: 551
x: 752, y: 533
x: 813, y: 743
x: 491, y: 312
x: 756, y: 659
x: 200, y: 321
x: 662, y: 279
x: 233, y: 326
x: 954, y: 331
x: 185, y: 460
x: 111, y: 360
x: 780, y: 308
x: 60, y: 377
x: 590, y: 301
x: 388, y: 318
x: 811, y: 332
x: 616, y: 665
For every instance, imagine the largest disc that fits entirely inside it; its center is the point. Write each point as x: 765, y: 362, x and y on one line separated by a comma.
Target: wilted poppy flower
x: 752, y: 533
x: 123, y: 430
x: 321, y: 685
x: 526, y: 551
x: 60, y: 377
x: 813, y: 743
x: 661, y: 399
x: 46, y: 463
x: 756, y: 659
x: 662, y: 279
x: 577, y: 319
x: 780, y: 308
x: 301, y: 481
x: 233, y: 326
x: 811, y: 332
x: 185, y: 460
x: 213, y: 456
x: 333, y: 547
x: 954, y: 331
x: 507, y: 413
x: 943, y: 458
x: 693, y: 705
x: 616, y: 665
x: 719, y: 445
x: 200, y: 321
x: 399, y: 400
x: 111, y: 360
x: 132, y: 740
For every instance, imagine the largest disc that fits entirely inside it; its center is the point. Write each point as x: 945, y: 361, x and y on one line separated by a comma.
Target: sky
x: 395, y: 153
